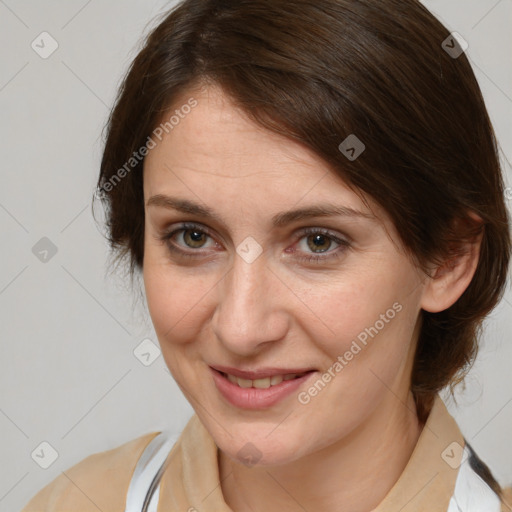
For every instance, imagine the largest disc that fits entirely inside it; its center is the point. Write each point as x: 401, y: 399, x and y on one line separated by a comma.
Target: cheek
x: 368, y: 321
x: 175, y: 303
x: 175, y: 299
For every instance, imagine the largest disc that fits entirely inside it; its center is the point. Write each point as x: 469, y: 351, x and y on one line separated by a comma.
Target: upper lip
x: 260, y: 373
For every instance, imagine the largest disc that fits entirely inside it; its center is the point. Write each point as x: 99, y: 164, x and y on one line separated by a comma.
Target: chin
x: 253, y: 446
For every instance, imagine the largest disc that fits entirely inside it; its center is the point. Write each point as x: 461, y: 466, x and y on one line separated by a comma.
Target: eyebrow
x: 278, y: 220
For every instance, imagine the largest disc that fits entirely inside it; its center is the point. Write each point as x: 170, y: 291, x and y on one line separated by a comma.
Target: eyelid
x: 307, y: 230
x: 169, y: 233
x: 343, y: 241
x: 337, y: 237
x: 327, y: 257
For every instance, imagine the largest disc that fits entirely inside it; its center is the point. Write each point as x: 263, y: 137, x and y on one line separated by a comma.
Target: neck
x: 356, y: 473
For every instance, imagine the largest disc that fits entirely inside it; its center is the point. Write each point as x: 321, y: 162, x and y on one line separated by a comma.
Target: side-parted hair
x: 317, y: 71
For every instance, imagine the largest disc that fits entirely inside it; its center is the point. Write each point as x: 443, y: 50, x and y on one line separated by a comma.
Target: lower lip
x: 253, y: 398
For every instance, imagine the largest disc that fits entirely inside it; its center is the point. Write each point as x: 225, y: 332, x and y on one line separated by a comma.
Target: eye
x: 194, y: 238
x: 186, y: 239
x: 320, y: 244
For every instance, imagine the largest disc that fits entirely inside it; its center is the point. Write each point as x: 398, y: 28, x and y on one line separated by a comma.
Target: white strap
x: 153, y: 503
x: 471, y: 493
x: 144, y: 488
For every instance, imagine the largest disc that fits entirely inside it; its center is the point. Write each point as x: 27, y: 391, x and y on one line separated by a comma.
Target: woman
x: 312, y: 193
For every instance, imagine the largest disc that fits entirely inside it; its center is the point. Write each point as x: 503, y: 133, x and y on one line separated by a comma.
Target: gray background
x: 68, y: 374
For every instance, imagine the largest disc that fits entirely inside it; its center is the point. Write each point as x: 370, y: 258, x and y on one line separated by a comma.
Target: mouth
x: 266, y: 388
x: 262, y: 382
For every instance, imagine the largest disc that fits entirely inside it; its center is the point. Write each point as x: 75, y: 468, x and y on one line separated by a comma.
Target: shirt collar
x: 428, y: 480
x: 191, y: 480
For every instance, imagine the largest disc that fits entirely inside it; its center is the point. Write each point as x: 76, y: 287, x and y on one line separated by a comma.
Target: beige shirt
x: 191, y: 483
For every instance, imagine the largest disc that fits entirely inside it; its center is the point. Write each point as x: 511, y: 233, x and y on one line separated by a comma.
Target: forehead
x: 216, y: 148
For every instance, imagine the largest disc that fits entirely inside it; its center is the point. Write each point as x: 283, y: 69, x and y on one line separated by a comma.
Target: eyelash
x: 311, y: 258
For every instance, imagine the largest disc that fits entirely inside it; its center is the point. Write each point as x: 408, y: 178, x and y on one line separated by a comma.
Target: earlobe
x: 449, y: 280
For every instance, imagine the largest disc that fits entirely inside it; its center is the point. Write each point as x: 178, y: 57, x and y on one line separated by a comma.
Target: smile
x: 262, y: 383
x: 258, y: 393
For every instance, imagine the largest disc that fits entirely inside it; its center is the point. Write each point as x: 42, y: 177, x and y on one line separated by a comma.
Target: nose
x: 250, y: 311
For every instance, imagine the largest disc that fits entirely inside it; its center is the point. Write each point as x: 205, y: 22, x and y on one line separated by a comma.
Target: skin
x: 282, y: 310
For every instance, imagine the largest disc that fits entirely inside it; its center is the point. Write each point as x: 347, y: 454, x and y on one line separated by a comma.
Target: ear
x: 449, y: 280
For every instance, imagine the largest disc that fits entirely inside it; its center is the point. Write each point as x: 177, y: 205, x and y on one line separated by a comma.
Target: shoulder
x: 506, y: 505
x: 98, y: 482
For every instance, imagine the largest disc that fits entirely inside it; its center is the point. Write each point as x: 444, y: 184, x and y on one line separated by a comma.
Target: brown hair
x: 317, y: 72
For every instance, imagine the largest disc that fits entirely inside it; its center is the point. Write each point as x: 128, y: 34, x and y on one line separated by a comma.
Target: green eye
x: 318, y: 242
x: 194, y: 238
x: 315, y: 245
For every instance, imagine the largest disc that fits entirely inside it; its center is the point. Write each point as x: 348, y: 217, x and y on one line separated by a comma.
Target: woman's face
x: 242, y: 271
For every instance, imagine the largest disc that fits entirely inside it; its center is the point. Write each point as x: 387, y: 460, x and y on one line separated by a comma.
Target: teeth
x: 244, y: 383
x: 264, y: 383
x: 276, y: 379
x: 231, y: 378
